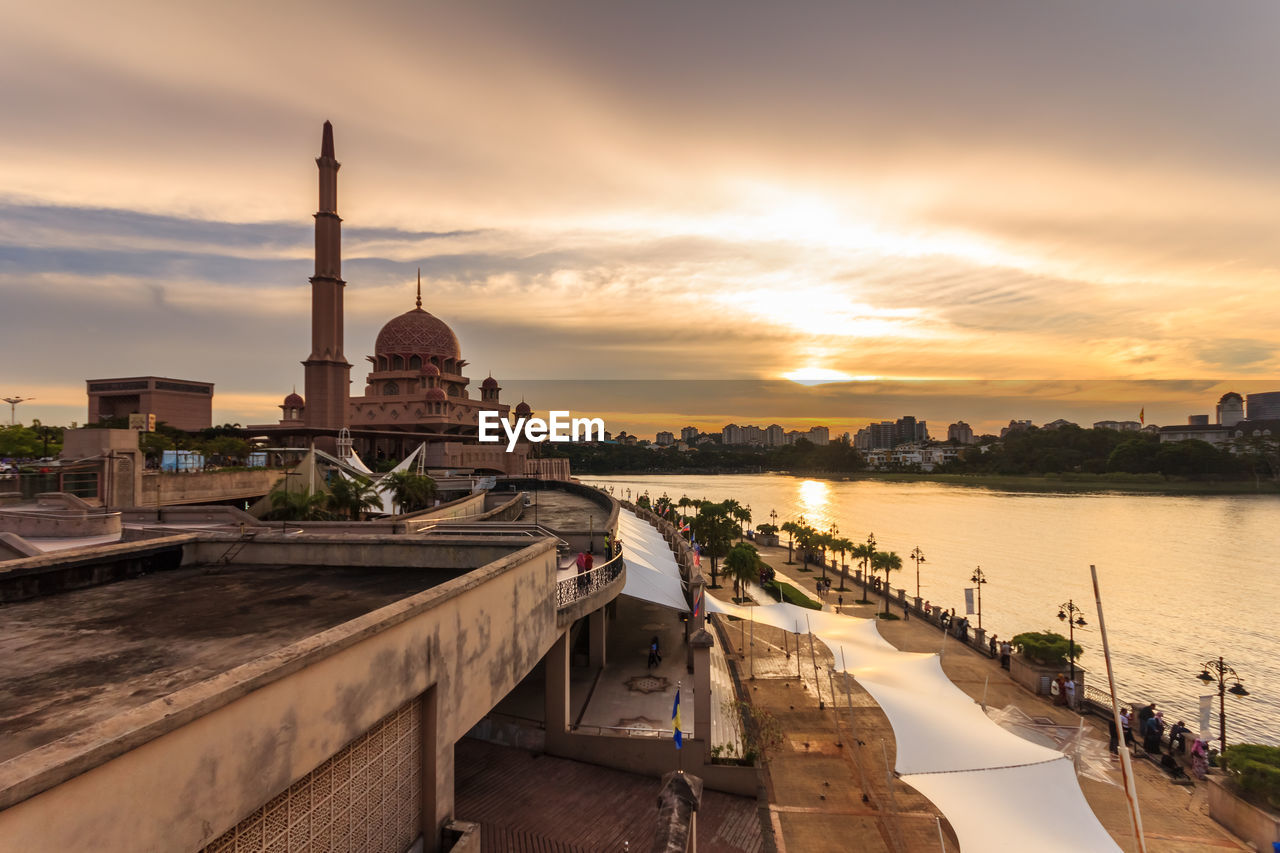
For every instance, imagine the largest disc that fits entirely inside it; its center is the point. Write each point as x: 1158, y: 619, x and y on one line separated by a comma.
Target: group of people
x: 1150, y: 724
x: 823, y: 587
x: 1002, y: 649
x: 1063, y: 691
x: 585, y: 563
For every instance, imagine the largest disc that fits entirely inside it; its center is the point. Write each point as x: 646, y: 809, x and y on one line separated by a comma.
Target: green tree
x: 351, y: 497
x: 742, y: 563
x: 863, y: 551
x: 714, y: 529
x: 154, y: 444
x: 792, y: 530
x: 411, y: 492
x: 886, y: 561
x: 842, y: 547
x: 298, y: 506
x: 226, y: 449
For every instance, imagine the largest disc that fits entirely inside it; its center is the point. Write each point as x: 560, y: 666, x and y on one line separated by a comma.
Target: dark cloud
x: 1234, y: 354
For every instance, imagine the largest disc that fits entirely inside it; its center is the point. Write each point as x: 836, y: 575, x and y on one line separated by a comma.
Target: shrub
x: 1257, y: 770
x: 1045, y: 647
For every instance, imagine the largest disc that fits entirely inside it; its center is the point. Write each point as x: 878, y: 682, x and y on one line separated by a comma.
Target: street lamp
x: 918, y: 556
x: 1073, y: 616
x: 1207, y: 676
x: 977, y: 578
x: 13, y: 408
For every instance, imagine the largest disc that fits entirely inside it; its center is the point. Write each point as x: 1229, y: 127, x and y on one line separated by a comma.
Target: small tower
x: 489, y: 390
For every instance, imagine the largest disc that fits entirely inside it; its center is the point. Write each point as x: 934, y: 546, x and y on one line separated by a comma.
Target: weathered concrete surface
x: 678, y: 798
x: 168, y: 488
x: 80, y: 657
x: 13, y: 546
x: 48, y: 523
x: 1259, y: 827
x: 48, y: 573
x: 179, y: 771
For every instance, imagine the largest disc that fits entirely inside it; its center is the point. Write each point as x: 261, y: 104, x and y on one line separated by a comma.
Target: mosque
x: 415, y: 391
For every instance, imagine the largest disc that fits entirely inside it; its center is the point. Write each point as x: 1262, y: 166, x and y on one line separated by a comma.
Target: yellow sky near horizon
x: 922, y: 192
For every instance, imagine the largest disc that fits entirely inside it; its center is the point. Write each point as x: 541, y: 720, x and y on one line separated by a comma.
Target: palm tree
x: 353, y: 496
x: 411, y: 492
x: 842, y: 546
x: 888, y: 562
x: 824, y: 541
x: 298, y: 506
x: 863, y: 551
x: 714, y: 530
x: 792, y: 530
x: 742, y: 563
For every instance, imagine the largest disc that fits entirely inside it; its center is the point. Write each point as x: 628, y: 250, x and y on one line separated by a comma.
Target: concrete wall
x: 1246, y: 820
x: 271, y: 548
x: 654, y: 757
x: 178, y: 772
x: 166, y: 488
x: 59, y: 524
x: 57, y: 572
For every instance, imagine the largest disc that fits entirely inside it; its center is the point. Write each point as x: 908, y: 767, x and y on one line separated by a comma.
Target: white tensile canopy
x: 999, y: 791
x: 652, y: 574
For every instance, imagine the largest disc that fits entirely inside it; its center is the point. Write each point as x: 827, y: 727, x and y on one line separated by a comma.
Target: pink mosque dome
x: 523, y: 408
x: 429, y: 369
x: 489, y: 383
x: 417, y: 332
x: 294, y: 401
x: 437, y: 394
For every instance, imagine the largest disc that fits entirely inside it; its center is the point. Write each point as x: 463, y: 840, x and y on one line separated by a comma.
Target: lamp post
x: 918, y: 556
x: 1207, y: 675
x: 1073, y: 616
x: 978, y: 579
x: 13, y: 407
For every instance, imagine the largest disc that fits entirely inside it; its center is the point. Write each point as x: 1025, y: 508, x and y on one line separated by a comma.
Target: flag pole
x: 1130, y: 790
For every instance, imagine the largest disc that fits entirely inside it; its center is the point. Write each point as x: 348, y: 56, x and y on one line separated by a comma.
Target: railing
x: 580, y: 586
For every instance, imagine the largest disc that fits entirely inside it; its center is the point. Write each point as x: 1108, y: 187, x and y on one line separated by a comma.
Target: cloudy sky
x: 977, y: 209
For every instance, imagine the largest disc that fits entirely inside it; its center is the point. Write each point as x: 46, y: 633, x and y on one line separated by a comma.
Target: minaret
x: 327, y: 371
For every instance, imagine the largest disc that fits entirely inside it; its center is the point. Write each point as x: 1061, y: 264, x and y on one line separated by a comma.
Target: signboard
x: 143, y: 422
x: 1206, y: 708
x: 968, y: 602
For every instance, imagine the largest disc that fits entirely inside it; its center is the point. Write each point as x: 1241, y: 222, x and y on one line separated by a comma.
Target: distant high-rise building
x: 1017, y: 426
x: 731, y: 434
x: 1120, y: 426
x: 960, y: 432
x: 819, y: 435
x: 1230, y: 409
x: 690, y: 434
x: 775, y: 436
x: 882, y: 435
x: 1264, y: 406
x: 665, y: 439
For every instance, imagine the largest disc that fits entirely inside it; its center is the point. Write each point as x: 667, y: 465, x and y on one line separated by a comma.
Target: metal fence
x: 572, y: 589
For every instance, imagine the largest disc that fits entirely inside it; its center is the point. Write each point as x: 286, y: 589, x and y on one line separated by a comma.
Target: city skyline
x: 897, y: 199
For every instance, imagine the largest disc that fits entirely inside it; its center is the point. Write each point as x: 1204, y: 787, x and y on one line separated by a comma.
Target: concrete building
x: 665, y: 439
x: 1119, y: 426
x: 731, y: 434
x: 960, y: 433
x: 775, y: 436
x: 1015, y: 426
x: 690, y: 434
x: 1230, y: 409
x: 1264, y: 406
x: 185, y: 404
x: 1059, y: 424
x: 819, y: 435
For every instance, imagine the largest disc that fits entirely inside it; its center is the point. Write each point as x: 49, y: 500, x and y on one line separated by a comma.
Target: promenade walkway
x: 830, y: 783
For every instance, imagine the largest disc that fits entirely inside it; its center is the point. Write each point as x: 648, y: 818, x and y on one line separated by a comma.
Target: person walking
x: 1006, y: 652
x: 655, y: 653
x: 1200, y: 756
x: 1069, y: 688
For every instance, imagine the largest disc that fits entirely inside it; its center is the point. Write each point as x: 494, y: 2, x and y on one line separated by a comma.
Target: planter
x: 1037, y: 677
x: 1252, y: 823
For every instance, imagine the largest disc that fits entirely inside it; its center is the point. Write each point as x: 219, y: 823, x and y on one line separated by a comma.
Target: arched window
x: 391, y: 389
x: 397, y: 363
x: 382, y: 362
x: 415, y: 362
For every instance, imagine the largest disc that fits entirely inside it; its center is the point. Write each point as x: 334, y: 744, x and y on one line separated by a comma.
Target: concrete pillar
x: 598, y: 636
x: 857, y: 576
x: 919, y: 602
x: 436, y: 798
x: 701, y: 643
x: 556, y: 705
x: 980, y: 638
x: 697, y: 587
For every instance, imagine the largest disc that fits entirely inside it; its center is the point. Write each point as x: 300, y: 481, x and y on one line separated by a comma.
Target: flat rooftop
x: 76, y: 658
x: 564, y: 511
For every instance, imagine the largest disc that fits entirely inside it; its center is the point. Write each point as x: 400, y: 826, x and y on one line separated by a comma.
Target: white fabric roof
x: 652, y: 573
x: 1038, y: 807
x: 999, y: 791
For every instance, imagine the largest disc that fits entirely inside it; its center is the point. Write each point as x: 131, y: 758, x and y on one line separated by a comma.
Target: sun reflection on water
x: 814, y: 497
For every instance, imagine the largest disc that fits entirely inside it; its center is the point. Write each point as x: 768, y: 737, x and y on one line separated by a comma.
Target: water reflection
x: 1184, y: 578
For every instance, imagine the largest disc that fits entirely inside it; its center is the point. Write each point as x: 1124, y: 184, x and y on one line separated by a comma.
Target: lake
x: 1184, y: 578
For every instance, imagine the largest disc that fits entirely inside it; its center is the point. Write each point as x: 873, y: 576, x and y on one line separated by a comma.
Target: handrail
x: 57, y: 513
x: 580, y: 586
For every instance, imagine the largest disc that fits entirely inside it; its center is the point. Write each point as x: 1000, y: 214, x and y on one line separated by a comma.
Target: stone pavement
x: 829, y: 785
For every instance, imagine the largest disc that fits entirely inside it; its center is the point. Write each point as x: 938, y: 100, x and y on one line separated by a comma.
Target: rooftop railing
x: 582, y: 585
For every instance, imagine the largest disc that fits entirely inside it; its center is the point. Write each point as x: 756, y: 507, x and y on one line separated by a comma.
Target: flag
x: 1142, y: 416
x: 684, y: 528
x: 697, y: 603
x: 968, y: 601
x: 675, y: 720
x: 697, y: 555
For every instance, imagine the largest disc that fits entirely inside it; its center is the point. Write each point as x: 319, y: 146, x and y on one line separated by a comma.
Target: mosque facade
x: 415, y: 391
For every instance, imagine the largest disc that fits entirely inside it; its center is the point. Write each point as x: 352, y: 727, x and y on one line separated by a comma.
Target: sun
x: 817, y: 375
